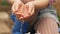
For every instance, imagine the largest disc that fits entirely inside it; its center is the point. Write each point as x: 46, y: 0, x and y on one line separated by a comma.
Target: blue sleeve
x: 17, y: 25
x: 13, y: 17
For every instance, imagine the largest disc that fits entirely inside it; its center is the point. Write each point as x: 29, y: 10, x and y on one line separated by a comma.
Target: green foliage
x: 59, y: 18
x: 4, y: 3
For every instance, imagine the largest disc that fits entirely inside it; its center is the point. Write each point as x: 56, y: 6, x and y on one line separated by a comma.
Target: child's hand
x: 23, y: 12
x: 17, y: 5
x: 17, y: 8
x: 28, y: 11
x: 29, y: 8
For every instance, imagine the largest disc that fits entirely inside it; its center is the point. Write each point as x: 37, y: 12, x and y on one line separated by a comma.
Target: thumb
x: 14, y: 7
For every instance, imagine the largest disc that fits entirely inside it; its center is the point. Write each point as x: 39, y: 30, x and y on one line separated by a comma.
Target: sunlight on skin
x: 23, y: 11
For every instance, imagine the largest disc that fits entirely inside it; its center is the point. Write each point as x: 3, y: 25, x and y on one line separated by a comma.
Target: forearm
x: 39, y: 4
x: 12, y: 1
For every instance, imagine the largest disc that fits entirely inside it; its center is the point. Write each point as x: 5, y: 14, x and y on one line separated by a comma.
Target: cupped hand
x: 17, y: 5
x: 28, y: 11
x: 23, y: 11
x: 17, y: 8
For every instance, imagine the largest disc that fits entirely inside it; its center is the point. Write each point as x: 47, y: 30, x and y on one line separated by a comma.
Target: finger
x: 25, y: 11
x: 15, y: 7
x: 20, y: 12
x: 21, y: 8
x: 19, y: 16
x: 31, y: 10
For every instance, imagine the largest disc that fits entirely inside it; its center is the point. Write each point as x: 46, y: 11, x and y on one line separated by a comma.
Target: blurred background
x: 5, y: 11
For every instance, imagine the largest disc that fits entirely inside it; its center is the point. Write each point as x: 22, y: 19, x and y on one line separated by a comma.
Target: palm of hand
x: 23, y: 11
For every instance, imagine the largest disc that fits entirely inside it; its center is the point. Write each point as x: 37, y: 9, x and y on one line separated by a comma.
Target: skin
x: 23, y: 11
x: 36, y: 3
x: 45, y: 25
x: 32, y: 4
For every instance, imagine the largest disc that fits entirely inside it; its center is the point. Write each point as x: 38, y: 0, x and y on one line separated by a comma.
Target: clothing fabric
x: 42, y: 13
x: 49, y: 11
x: 18, y: 26
x: 45, y: 13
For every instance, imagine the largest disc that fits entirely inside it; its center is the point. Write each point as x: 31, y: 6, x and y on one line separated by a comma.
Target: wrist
x: 34, y: 3
x: 16, y: 1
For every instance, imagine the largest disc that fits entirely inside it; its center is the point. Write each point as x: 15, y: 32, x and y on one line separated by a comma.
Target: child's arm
x: 40, y: 3
x: 12, y: 1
